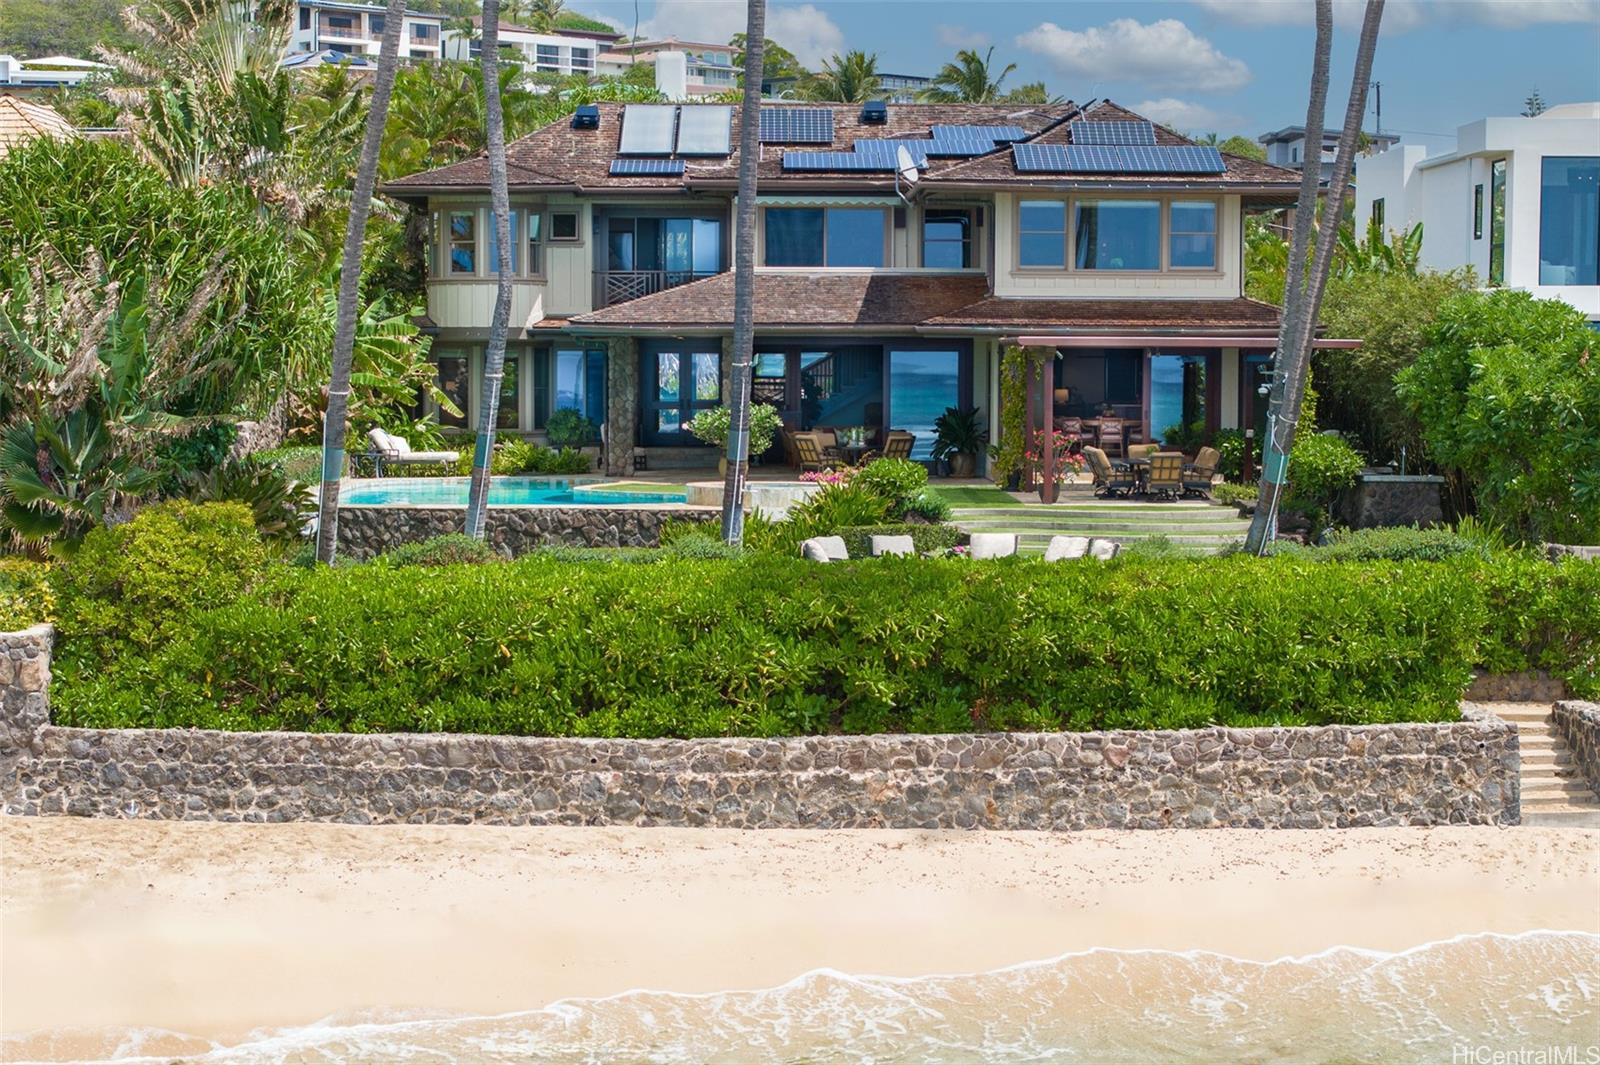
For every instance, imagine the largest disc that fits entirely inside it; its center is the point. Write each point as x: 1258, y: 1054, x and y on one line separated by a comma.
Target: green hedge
x: 926, y: 538
x: 769, y: 646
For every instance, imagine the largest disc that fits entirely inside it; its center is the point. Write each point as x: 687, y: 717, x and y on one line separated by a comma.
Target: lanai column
x: 1047, y: 436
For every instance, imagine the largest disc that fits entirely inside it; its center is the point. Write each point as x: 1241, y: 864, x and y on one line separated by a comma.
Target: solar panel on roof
x: 1116, y: 159
x: 647, y: 129
x: 705, y: 129
x: 797, y: 125
x: 640, y: 167
x: 839, y: 161
x: 972, y: 140
x: 1120, y: 132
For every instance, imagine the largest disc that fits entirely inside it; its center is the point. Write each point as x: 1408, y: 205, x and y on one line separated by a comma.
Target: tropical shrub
x: 773, y: 646
x: 926, y: 539
x: 1230, y: 446
x: 26, y: 595
x: 712, y: 425
x: 897, y: 481
x: 131, y: 586
x: 958, y: 431
x: 925, y: 507
x: 302, y: 463
x: 835, y: 507
x: 1507, y: 392
x: 566, y: 461
x: 280, y: 506
x: 451, y: 549
x: 1320, y: 467
x: 1397, y: 545
x: 1228, y: 492
x: 570, y: 428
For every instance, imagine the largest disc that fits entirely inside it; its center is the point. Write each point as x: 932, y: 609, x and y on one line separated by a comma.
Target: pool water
x: 503, y: 492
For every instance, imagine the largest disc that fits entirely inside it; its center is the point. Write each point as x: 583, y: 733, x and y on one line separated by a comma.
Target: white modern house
x: 47, y: 72
x: 1517, y: 199
x: 357, y: 29
x: 1287, y: 147
x: 708, y: 69
x: 565, y: 52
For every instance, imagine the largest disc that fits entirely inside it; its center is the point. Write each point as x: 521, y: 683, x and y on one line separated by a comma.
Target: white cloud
x: 959, y: 37
x: 1182, y: 115
x: 1161, y: 55
x: 1399, y: 16
x: 805, y: 30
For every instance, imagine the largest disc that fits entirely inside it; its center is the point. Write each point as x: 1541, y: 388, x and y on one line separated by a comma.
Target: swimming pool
x: 503, y: 492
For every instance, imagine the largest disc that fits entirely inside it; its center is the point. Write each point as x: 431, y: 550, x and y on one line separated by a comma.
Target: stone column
x: 622, y: 405
x: 24, y: 705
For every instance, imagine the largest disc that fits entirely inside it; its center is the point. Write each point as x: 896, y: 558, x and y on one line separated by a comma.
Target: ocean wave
x: 1532, y: 989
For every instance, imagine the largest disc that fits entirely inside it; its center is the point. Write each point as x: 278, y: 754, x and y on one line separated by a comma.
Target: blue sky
x: 1233, y: 66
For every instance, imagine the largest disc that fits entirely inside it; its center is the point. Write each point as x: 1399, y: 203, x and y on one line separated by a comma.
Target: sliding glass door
x: 678, y: 381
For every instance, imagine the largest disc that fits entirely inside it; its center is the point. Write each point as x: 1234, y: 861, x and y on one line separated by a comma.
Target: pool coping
x: 578, y: 483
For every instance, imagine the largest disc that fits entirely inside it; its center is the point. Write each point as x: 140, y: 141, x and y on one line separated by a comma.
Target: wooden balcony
x: 620, y: 286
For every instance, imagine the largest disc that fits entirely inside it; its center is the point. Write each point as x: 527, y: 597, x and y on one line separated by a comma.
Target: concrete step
x: 1555, y: 818
x: 1546, y: 758
x: 1556, y: 789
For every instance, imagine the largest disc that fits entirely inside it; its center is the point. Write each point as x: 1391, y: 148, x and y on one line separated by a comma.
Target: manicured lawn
x: 651, y: 487
x: 973, y: 496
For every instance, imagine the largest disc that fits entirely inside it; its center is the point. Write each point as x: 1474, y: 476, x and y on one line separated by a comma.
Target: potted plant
x: 711, y: 426
x: 958, y: 436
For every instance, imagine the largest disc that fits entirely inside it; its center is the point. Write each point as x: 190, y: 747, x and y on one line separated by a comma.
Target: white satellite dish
x: 905, y: 169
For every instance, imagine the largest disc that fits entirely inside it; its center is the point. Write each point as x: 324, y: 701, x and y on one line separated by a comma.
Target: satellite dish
x: 905, y: 165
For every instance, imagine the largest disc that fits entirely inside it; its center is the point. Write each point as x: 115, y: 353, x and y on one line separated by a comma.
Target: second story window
x: 1117, y: 234
x: 825, y: 236
x: 1192, y: 235
x: 1569, y: 229
x: 1497, y: 222
x: 1042, y: 233
x: 947, y: 239
x: 463, y: 248
x: 424, y: 31
x: 564, y: 226
x: 494, y: 245
x: 548, y: 56
x: 535, y: 243
x: 375, y: 24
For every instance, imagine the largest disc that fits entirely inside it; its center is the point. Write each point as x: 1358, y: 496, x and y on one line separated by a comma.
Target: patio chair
x: 992, y: 545
x: 1111, y: 436
x: 1104, y: 550
x: 1073, y: 430
x: 791, y: 457
x: 1197, y: 475
x: 824, y: 549
x: 893, y: 545
x: 810, y: 456
x: 1142, y: 451
x: 898, y: 444
x: 1066, y: 548
x: 1110, y: 480
x: 1166, y: 474
x: 396, y: 451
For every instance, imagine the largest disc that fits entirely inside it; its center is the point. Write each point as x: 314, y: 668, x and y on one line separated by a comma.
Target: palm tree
x: 355, y: 234
x: 545, y: 15
x: 966, y: 81
x: 744, y: 276
x: 494, y: 356
x: 850, y: 79
x: 1302, y: 304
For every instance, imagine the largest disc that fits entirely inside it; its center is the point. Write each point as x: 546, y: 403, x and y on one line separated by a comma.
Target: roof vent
x: 874, y: 113
x: 586, y: 117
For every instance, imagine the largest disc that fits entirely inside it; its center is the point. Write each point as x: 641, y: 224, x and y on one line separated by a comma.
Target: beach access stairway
x: 1553, y: 790
x: 1194, y: 524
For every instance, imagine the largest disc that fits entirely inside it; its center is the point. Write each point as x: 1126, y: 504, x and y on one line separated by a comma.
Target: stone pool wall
x: 368, y: 531
x: 1578, y: 723
x: 1463, y: 772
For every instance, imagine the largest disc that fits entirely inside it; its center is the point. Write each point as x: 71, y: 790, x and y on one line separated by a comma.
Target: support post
x: 1047, y: 436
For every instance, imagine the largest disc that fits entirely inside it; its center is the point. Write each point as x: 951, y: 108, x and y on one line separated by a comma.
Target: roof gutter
x: 1182, y: 340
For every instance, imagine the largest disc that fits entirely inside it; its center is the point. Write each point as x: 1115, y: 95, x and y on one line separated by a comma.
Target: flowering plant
x: 1069, y: 460
x: 830, y: 477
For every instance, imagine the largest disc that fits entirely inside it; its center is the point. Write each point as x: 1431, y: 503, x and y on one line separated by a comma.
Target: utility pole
x: 1377, y: 96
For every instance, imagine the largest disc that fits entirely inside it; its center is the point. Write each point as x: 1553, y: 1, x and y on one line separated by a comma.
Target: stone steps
x: 1553, y: 793
x: 1195, y: 525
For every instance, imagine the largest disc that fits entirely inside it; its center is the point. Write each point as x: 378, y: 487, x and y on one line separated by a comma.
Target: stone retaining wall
x: 1388, y: 499
x: 1462, y: 772
x: 1578, y: 723
x: 368, y: 531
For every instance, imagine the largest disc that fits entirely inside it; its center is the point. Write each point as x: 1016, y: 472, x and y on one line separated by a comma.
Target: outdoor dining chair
x: 1166, y: 474
x: 1197, y: 475
x: 1110, y: 480
x: 810, y: 455
x: 1111, y: 436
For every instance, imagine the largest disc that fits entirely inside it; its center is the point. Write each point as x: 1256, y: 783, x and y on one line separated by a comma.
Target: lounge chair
x: 1198, y: 475
x: 1104, y: 550
x: 992, y: 545
x: 893, y: 545
x: 824, y: 549
x: 1166, y: 474
x: 396, y: 451
x: 1110, y: 480
x: 811, y: 454
x: 1066, y: 548
x: 898, y: 444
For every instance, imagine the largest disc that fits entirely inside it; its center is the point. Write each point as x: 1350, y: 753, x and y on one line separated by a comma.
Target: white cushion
x: 811, y: 551
x: 379, y: 440
x: 833, y: 547
x: 431, y: 456
x: 1062, y: 548
x: 893, y: 545
x: 993, y: 545
x: 1103, y: 549
x: 400, y: 444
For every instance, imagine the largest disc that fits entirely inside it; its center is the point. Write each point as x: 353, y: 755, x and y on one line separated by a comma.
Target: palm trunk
x: 494, y: 356
x: 744, y: 277
x: 334, y: 422
x: 1274, y: 459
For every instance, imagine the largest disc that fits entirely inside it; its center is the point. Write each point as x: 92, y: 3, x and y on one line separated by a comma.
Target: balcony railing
x: 620, y: 286
x: 353, y: 31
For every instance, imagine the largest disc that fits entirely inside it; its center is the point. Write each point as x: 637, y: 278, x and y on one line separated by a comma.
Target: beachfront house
x: 319, y: 26
x: 882, y: 297
x: 1517, y: 199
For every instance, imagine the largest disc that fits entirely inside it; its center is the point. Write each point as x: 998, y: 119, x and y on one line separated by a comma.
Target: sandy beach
x: 218, y: 929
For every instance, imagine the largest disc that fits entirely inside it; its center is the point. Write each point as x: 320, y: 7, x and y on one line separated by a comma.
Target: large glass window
x: 1192, y: 235
x: 463, y: 242
x: 825, y: 236
x: 922, y: 384
x: 535, y: 243
x: 455, y: 381
x: 1497, y: 222
x: 494, y: 245
x: 946, y: 239
x: 1477, y: 211
x: 1042, y: 233
x: 1117, y: 234
x: 1569, y: 221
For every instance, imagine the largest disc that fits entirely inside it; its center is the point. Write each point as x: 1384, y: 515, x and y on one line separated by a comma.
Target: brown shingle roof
x: 833, y: 300
x: 559, y: 156
x: 21, y: 120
